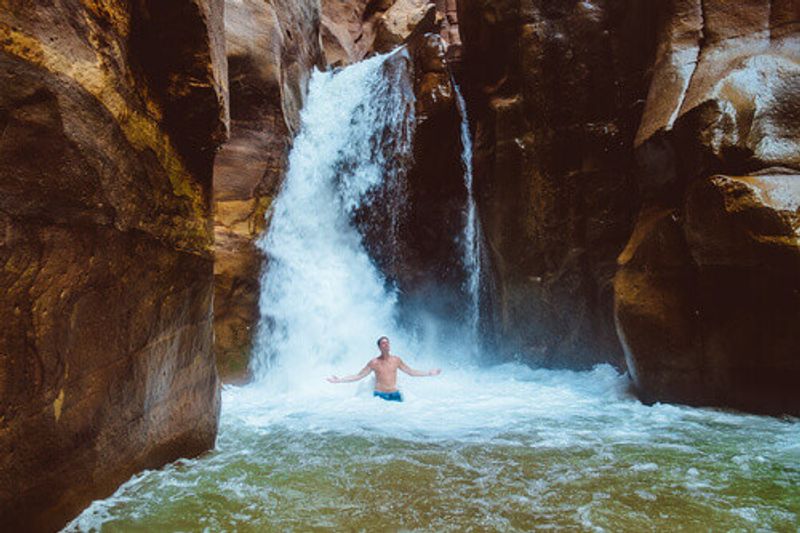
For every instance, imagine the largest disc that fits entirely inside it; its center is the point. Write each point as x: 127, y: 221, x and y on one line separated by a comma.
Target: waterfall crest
x: 323, y: 302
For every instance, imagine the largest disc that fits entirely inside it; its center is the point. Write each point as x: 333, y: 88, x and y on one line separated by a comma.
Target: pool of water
x: 505, y: 448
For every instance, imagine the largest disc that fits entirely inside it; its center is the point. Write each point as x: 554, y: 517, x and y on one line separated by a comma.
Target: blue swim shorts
x: 389, y: 396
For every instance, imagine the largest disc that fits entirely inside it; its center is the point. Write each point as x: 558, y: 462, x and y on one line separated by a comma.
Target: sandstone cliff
x: 110, y: 114
x: 272, y: 48
x: 670, y: 130
x: 708, y: 292
x: 555, y: 92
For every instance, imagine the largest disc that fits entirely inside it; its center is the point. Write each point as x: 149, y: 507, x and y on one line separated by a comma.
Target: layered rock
x: 719, y: 149
x: 555, y: 91
x: 272, y: 48
x: 110, y: 114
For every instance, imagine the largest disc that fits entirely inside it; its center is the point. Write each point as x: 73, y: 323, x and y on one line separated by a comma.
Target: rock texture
x: 555, y: 93
x: 424, y: 261
x: 110, y: 114
x: 353, y: 29
x: 398, y: 22
x: 434, y: 277
x: 674, y: 127
x: 272, y: 48
x: 348, y: 29
x: 714, y: 319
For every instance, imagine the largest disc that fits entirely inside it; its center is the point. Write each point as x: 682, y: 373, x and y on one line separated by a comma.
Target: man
x: 385, y: 367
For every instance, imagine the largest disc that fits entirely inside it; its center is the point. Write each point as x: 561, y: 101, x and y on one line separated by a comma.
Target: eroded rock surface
x: 353, y: 29
x: 110, y: 114
x: 427, y: 263
x: 272, y: 48
x: 718, y: 145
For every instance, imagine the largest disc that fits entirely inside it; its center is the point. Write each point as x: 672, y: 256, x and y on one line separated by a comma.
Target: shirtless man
x: 385, y: 367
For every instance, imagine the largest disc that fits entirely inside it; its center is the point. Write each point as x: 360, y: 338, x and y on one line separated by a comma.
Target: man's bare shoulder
x: 372, y: 362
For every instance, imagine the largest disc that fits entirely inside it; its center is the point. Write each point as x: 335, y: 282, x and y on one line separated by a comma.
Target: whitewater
x: 480, y: 447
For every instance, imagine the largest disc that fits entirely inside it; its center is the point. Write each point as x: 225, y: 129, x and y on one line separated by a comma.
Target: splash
x: 323, y: 301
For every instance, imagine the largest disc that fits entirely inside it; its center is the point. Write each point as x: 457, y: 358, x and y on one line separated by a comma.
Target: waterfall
x: 323, y: 302
x: 472, y: 231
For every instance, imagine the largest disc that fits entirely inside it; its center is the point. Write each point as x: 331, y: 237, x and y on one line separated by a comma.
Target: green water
x: 605, y: 465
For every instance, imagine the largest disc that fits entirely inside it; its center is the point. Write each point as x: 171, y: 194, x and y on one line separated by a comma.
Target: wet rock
x: 434, y: 275
x: 272, y: 48
x: 110, y: 116
x: 555, y: 91
x: 657, y: 308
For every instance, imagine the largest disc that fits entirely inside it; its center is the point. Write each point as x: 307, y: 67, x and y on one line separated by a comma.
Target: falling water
x: 499, y: 448
x: 323, y: 301
x: 472, y: 229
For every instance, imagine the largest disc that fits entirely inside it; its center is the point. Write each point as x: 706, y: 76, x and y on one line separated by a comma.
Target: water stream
x: 479, y: 448
x: 472, y: 229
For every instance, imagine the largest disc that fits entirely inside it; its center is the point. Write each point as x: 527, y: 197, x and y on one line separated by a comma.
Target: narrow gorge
x: 586, y: 213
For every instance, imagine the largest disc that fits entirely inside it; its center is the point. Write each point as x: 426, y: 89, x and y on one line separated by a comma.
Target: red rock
x: 110, y: 116
x: 272, y: 49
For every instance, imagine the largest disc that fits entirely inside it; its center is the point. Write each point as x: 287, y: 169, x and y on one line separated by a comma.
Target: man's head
x: 383, y: 344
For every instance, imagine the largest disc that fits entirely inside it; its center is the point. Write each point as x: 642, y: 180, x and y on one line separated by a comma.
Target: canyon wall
x: 110, y: 115
x: 636, y: 169
x: 555, y: 93
x: 272, y: 48
x: 708, y: 292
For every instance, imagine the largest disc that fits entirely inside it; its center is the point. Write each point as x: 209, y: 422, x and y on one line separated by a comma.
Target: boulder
x: 723, y: 96
x: 708, y: 302
x: 398, y: 22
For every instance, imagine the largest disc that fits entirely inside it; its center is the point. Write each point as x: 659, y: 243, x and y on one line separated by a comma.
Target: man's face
x: 384, y: 345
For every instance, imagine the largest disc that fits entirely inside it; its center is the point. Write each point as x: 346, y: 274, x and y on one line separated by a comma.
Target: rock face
x: 110, y: 114
x: 687, y: 113
x: 555, y: 93
x: 714, y: 319
x: 352, y: 29
x: 272, y: 48
x: 397, y: 23
x: 424, y: 261
x: 348, y: 29
x: 434, y: 275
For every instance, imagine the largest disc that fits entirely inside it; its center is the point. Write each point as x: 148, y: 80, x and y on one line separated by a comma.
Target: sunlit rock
x: 723, y: 100
x: 272, y: 48
x: 110, y: 115
x: 399, y: 21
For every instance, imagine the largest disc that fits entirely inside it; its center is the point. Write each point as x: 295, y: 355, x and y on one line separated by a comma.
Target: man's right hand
x: 333, y: 379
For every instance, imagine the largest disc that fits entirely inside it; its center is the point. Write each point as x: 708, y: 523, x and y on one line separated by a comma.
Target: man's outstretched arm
x: 418, y: 373
x: 355, y: 377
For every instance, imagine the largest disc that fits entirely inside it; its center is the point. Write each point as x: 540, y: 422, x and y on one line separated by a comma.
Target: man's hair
x: 380, y: 339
